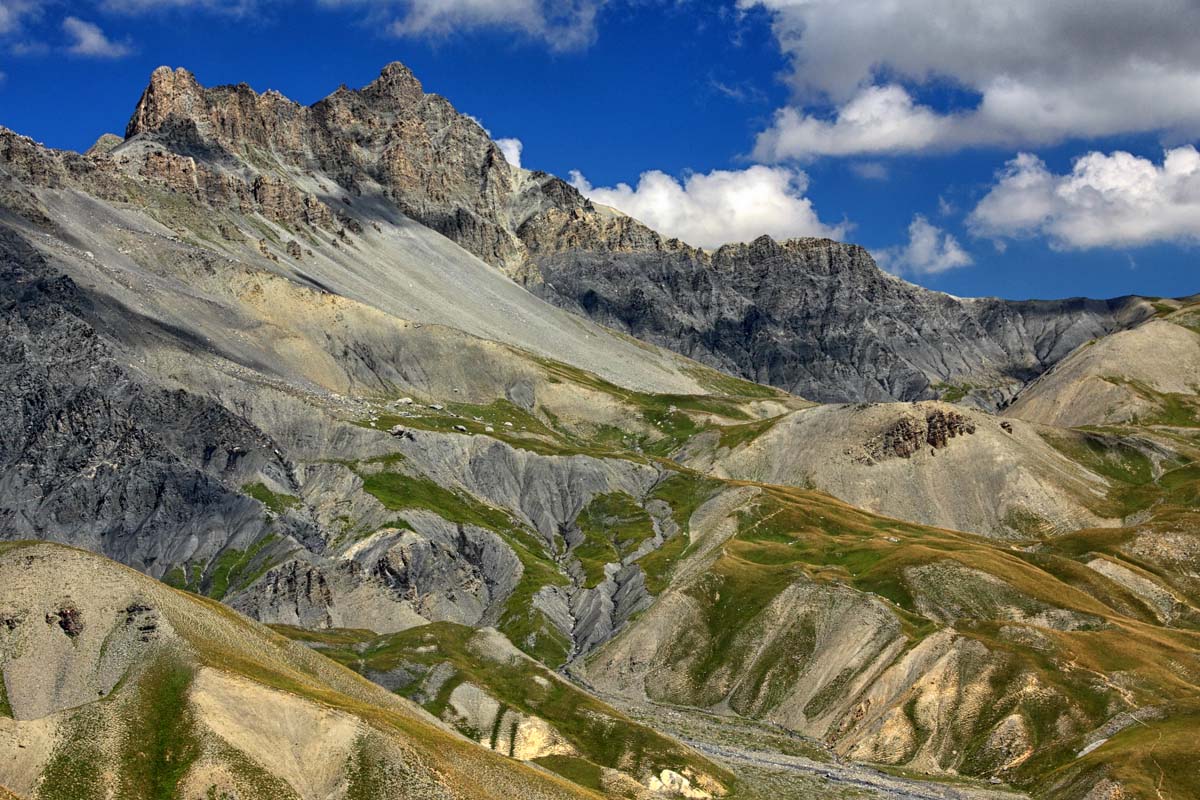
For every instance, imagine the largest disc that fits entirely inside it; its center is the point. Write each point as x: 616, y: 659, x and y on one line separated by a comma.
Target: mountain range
x: 344, y: 459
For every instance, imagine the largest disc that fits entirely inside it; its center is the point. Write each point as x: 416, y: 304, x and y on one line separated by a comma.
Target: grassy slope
x: 603, y: 736
x: 158, y: 738
x: 790, y: 534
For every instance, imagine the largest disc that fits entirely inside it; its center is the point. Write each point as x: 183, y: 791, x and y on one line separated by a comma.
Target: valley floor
x: 773, y: 763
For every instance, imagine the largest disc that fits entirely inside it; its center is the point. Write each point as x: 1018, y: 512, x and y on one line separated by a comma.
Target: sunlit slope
x: 116, y: 682
x: 1148, y: 375
x: 910, y: 645
x: 481, y: 685
x: 930, y: 462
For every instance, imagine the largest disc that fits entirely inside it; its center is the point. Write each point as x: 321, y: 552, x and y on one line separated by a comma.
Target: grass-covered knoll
x: 500, y: 420
x: 5, y: 708
x: 732, y: 436
x: 720, y: 383
x: 77, y: 764
x: 1185, y: 314
x: 613, y: 526
x: 601, y: 735
x: 951, y: 392
x: 398, y: 491
x: 675, y: 418
x: 525, y: 625
x: 1126, y: 465
x: 684, y: 492
x: 1156, y: 758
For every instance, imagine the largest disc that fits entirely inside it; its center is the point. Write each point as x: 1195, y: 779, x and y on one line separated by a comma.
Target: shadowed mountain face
x: 814, y: 317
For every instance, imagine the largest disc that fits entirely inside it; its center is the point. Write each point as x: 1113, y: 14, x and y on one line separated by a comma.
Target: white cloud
x: 88, y: 40
x: 870, y: 170
x: 1106, y: 200
x: 880, y: 119
x: 511, y: 148
x: 930, y: 250
x: 1027, y: 72
x: 13, y: 13
x: 563, y: 24
x: 722, y: 206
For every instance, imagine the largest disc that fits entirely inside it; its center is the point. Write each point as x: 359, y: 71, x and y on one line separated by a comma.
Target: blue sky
x: 1019, y: 154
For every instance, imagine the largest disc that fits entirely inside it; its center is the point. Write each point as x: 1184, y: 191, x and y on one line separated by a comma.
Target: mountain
x: 294, y: 359
x: 1149, y: 373
x: 814, y: 317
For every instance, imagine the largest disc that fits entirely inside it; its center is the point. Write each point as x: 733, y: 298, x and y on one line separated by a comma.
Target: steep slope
x: 932, y: 463
x: 116, y: 683
x: 817, y: 318
x: 491, y: 692
x: 907, y: 645
x: 238, y: 360
x: 1148, y: 374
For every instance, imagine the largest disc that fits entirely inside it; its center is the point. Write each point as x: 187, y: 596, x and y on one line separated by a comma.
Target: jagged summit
x: 815, y: 317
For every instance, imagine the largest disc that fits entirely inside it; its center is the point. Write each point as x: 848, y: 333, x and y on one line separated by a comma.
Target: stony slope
x: 208, y: 408
x: 927, y: 462
x: 1150, y: 373
x: 114, y: 682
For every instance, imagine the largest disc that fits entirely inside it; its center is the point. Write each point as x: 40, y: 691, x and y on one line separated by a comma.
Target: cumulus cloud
x: 563, y: 24
x: 880, y: 119
x: 1027, y: 72
x: 511, y: 148
x: 708, y: 210
x: 1106, y: 200
x: 929, y: 250
x: 87, y: 39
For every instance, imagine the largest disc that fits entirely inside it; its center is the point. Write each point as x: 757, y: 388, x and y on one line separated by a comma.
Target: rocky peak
x: 171, y: 92
x: 396, y: 81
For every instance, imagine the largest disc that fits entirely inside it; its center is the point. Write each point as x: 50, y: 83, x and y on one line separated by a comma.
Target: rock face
x: 815, y: 317
x: 909, y: 434
x: 96, y: 456
x: 438, y: 166
x: 820, y: 319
